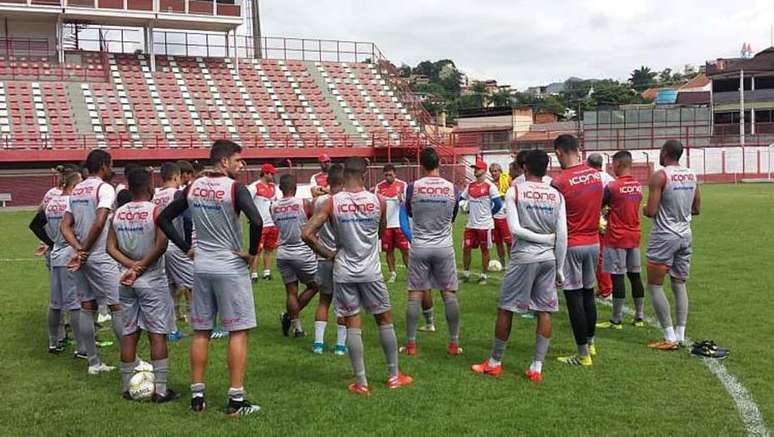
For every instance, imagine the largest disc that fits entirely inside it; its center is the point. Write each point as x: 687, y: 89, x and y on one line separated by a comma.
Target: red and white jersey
x: 319, y: 180
x: 479, y: 196
x: 163, y: 197
x: 394, y: 195
x: 54, y: 191
x: 264, y: 194
x: 624, y: 195
x: 583, y: 191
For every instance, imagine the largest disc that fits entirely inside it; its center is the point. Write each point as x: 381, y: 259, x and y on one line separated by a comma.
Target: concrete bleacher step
x: 341, y: 116
x: 77, y: 103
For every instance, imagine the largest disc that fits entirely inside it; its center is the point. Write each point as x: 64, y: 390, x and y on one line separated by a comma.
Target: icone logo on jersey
x: 133, y: 215
x: 83, y: 191
x: 585, y: 178
x: 630, y: 189
x: 353, y: 207
x: 55, y: 207
x: 208, y: 193
x: 682, y: 178
x: 540, y: 196
x: 434, y: 191
x: 279, y: 209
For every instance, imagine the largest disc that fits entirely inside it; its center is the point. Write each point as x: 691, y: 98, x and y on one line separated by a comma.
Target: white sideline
x: 19, y: 260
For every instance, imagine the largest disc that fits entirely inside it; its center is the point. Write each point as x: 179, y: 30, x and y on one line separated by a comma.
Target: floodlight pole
x: 257, y: 49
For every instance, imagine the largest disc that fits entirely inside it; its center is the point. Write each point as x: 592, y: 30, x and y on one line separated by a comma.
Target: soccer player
x: 198, y: 170
x: 138, y: 245
x: 483, y: 202
x: 319, y: 180
x: 96, y: 274
x: 673, y: 197
x: 357, y: 217
x: 221, y: 269
x: 264, y: 193
x: 536, y: 264
x: 432, y: 201
x: 64, y: 296
x: 517, y: 168
x: 583, y: 191
x: 178, y: 267
x: 622, y: 240
x: 325, y: 272
x: 500, y: 234
x: 295, y: 260
x: 393, y: 191
x: 604, y: 281
x: 186, y: 172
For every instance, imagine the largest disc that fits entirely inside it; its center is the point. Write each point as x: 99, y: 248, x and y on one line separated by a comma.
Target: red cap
x: 480, y: 165
x: 324, y: 158
x: 268, y: 169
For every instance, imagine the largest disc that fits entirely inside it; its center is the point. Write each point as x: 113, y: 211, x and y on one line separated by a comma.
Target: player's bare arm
x: 655, y: 188
x: 115, y: 252
x: 69, y: 233
x: 309, y: 233
x: 696, y: 206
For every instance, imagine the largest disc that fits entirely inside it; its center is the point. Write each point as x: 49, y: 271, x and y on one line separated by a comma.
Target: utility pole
x: 258, y: 50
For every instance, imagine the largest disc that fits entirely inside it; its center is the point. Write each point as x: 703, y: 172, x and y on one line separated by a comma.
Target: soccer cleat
x: 169, y: 396
x: 638, y: 323
x: 454, y: 349
x: 357, y: 389
x: 144, y: 366
x: 576, y: 360
x: 709, y: 349
x: 104, y: 318
x: 340, y: 350
x: 318, y: 348
x: 218, y: 333
x: 430, y: 327
x: 126, y: 396
x: 197, y: 404
x: 610, y: 325
x: 266, y: 276
x: 465, y: 279
x: 241, y: 408
x: 481, y: 281
x: 592, y: 349
x: 664, y: 345
x: 399, y: 381
x: 56, y: 350
x: 103, y: 344
x: 176, y: 336
x: 285, y: 323
x: 486, y: 369
x: 409, y: 349
x: 299, y: 333
x: 100, y: 368
x: 528, y: 316
x: 254, y: 277
x: 80, y: 355
x: 533, y: 376
x: 393, y: 277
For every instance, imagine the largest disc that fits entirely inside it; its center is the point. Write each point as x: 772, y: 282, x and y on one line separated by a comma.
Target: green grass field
x: 630, y: 389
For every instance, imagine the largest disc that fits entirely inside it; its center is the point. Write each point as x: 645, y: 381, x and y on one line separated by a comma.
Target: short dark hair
x: 521, y: 157
x: 566, y: 143
x: 287, y: 183
x: 536, y: 163
x: 386, y: 168
x: 139, y: 181
x: 223, y: 149
x: 129, y: 167
x: 185, y: 166
x: 169, y: 170
x: 354, y: 166
x: 623, y: 156
x: 428, y: 158
x: 69, y: 179
x: 595, y: 160
x: 673, y: 149
x: 514, y: 165
x: 335, y: 175
x: 197, y: 166
x: 96, y: 159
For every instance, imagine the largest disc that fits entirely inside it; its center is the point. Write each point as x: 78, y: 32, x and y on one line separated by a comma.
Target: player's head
x: 140, y: 184
x: 479, y: 169
x: 521, y: 159
x: 170, y: 174
x: 671, y: 152
x: 335, y: 178
x: 287, y: 185
x: 596, y: 161
x: 70, y: 179
x: 268, y: 172
x: 428, y: 159
x: 226, y: 157
x: 567, y: 150
x: 354, y: 170
x: 622, y: 163
x: 64, y: 170
x: 514, y: 169
x: 536, y: 163
x: 495, y: 170
x: 99, y: 163
x: 325, y: 162
x: 186, y: 171
x: 198, y: 169
x: 389, y: 173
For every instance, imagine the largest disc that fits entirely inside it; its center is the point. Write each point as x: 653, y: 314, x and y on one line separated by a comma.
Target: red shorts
x: 477, y: 238
x: 268, y: 238
x: 392, y: 239
x: 501, y: 233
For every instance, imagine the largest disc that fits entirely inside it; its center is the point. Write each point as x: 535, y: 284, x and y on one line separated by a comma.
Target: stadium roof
x: 762, y: 62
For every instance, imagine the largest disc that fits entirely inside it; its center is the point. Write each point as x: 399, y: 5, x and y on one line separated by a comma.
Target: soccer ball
x: 602, y: 225
x: 464, y: 206
x: 495, y: 266
x: 141, y: 386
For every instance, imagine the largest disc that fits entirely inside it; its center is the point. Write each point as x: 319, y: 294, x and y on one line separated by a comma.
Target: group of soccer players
x: 184, y: 239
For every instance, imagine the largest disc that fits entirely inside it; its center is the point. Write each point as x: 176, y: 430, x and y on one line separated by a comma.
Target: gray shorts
x: 230, y: 296
x: 432, y: 268
x: 301, y: 270
x: 350, y: 298
x: 620, y: 261
x: 324, y: 277
x: 580, y: 267
x: 674, y: 252
x: 179, y: 269
x: 64, y: 294
x: 98, y: 280
x: 148, y: 308
x: 530, y: 287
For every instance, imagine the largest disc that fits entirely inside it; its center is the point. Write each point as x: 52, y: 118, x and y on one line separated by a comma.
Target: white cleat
x: 144, y: 366
x: 393, y: 277
x: 427, y: 328
x: 100, y: 368
x: 104, y: 318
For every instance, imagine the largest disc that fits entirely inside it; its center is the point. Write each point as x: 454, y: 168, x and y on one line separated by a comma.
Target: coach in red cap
x: 483, y: 202
x: 319, y: 181
x: 264, y: 194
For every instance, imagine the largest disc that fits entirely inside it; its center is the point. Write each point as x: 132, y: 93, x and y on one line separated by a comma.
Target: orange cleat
x: 664, y: 345
x: 485, y: 368
x: 454, y: 349
x: 409, y: 349
x: 399, y: 381
x: 362, y: 390
x: 533, y: 376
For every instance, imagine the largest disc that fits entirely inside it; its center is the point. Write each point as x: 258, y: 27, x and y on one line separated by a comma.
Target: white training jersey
x: 290, y: 216
x: 539, y: 208
x: 480, y: 196
x: 432, y: 201
x: 674, y: 211
x: 86, y: 198
x: 54, y: 208
x: 135, y: 228
x: 394, y: 195
x: 356, y: 217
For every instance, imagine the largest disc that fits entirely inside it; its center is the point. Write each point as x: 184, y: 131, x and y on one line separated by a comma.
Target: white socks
x: 536, y: 366
x: 341, y: 335
x: 669, y: 334
x: 680, y: 333
x: 319, y: 331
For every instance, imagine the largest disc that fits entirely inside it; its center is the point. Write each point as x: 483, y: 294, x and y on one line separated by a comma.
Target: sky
x: 527, y: 43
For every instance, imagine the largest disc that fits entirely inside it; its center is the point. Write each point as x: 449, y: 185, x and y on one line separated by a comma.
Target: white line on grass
x: 18, y: 260
x: 748, y: 409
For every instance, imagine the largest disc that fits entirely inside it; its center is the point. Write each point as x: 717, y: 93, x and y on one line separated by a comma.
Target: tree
x: 665, y: 77
x: 500, y: 98
x: 404, y: 71
x: 610, y: 92
x: 642, y: 78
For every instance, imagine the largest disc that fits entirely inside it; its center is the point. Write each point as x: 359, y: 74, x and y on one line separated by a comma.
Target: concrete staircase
x: 346, y: 124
